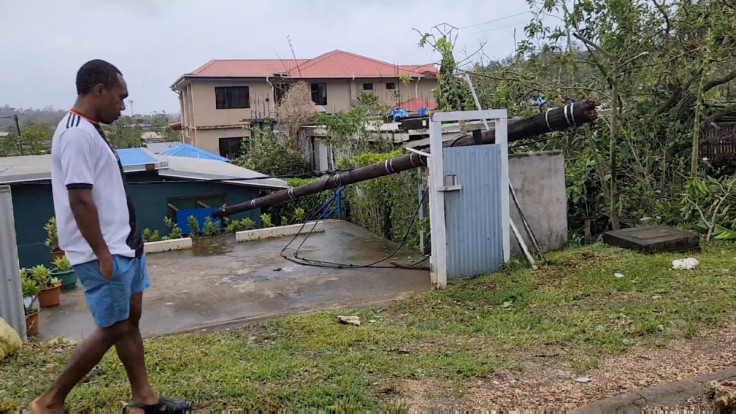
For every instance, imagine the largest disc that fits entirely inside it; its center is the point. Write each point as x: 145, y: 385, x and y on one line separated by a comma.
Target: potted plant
x: 65, y: 272
x: 52, y: 238
x: 30, y: 294
x: 50, y: 294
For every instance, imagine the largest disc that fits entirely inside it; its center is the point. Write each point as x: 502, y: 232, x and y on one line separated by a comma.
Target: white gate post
x: 438, y: 260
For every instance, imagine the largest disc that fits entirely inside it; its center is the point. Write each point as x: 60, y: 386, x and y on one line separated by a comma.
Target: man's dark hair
x: 95, y: 72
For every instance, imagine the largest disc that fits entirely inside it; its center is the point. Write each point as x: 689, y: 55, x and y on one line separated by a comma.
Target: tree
x: 296, y: 111
x: 451, y: 94
x: 272, y: 155
x: 661, y: 71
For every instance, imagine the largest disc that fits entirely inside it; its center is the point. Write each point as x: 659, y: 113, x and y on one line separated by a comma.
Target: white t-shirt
x: 81, y: 157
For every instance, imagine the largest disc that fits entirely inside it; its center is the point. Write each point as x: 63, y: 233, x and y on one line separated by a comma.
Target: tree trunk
x: 696, y: 127
x: 612, y: 149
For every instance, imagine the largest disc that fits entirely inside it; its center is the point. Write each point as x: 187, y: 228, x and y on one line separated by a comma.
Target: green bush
x: 174, y: 229
x: 151, y: 235
x: 231, y: 226
x: 211, y: 227
x: 266, y: 220
x: 386, y: 205
x: 248, y: 223
x: 193, y: 226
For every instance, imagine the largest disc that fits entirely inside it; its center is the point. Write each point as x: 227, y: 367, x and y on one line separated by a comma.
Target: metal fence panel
x: 473, y: 213
x: 11, y: 300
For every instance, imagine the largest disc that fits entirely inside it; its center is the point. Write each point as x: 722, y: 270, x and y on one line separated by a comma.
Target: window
x: 319, y: 93
x: 229, y: 97
x: 390, y: 85
x: 175, y: 204
x: 367, y: 86
x: 231, y: 148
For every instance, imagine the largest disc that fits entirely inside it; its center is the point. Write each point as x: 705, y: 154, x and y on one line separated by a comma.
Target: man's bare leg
x: 84, y: 358
x: 130, y: 352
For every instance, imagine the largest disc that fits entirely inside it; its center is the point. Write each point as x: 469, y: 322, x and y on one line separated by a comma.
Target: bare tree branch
x: 594, y: 46
x: 719, y: 81
x: 664, y: 14
x: 679, y: 92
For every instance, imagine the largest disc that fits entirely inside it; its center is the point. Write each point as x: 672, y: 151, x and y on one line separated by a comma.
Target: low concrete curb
x: 664, y: 395
x: 281, y: 231
x: 168, y: 245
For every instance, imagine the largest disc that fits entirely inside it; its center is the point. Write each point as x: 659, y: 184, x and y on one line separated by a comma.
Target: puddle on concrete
x: 210, y: 246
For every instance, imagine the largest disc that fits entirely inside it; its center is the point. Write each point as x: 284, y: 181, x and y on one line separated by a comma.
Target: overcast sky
x: 43, y: 42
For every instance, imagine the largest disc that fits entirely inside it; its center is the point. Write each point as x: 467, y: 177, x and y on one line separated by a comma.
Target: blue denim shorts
x: 109, y: 300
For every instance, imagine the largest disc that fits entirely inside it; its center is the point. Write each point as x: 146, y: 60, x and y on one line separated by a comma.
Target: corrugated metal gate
x: 11, y: 301
x: 473, y: 210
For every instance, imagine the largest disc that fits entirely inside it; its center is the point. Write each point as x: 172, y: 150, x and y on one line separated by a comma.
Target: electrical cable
x: 335, y: 265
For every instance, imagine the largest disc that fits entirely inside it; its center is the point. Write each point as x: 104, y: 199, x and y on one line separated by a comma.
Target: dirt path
x: 549, y: 383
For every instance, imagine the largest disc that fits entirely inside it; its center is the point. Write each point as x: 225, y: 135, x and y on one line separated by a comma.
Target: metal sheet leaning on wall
x: 11, y: 297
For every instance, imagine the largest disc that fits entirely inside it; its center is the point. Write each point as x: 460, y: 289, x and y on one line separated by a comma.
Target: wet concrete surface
x: 224, y: 283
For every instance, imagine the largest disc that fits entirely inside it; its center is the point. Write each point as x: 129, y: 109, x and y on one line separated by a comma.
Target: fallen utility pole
x: 558, y: 119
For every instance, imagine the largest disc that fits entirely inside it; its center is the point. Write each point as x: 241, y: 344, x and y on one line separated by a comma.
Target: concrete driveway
x: 226, y: 283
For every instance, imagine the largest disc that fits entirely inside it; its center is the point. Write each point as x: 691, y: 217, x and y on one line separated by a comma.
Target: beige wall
x: 206, y: 114
x: 341, y: 93
x: 209, y: 140
x: 198, y: 105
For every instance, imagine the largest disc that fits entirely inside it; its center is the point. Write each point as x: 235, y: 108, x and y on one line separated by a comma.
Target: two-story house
x: 221, y: 98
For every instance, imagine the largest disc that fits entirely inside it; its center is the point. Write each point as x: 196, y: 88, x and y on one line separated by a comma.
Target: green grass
x: 573, y: 310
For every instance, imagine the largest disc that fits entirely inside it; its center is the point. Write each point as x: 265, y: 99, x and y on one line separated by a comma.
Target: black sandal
x: 164, y: 405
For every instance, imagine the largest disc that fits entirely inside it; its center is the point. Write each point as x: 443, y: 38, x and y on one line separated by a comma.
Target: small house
x: 161, y: 186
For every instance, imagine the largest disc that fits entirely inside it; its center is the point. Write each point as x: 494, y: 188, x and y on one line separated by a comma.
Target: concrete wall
x: 33, y: 206
x: 539, y: 181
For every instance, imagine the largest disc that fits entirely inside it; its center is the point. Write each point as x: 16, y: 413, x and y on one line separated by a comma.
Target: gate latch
x: 451, y: 184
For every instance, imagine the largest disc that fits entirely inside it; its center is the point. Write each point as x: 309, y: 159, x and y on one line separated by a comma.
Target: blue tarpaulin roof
x: 190, y: 151
x: 135, y: 156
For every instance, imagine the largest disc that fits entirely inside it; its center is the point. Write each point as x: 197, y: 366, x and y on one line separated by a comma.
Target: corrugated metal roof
x: 190, y: 151
x: 26, y: 168
x: 159, y: 147
x: 11, y: 300
x: 135, y: 156
x: 38, y: 168
x: 201, y: 169
x: 337, y: 64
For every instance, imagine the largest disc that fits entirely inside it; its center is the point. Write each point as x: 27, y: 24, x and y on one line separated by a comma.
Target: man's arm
x: 85, y: 214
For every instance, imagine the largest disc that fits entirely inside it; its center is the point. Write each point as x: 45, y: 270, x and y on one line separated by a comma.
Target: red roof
x: 245, y: 68
x: 335, y: 64
x: 339, y: 64
x: 414, y: 104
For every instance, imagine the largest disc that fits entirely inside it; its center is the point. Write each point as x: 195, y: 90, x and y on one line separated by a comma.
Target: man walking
x: 97, y: 230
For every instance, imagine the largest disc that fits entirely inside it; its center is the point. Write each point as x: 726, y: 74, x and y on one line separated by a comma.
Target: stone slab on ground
x: 653, y: 239
x: 664, y: 395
